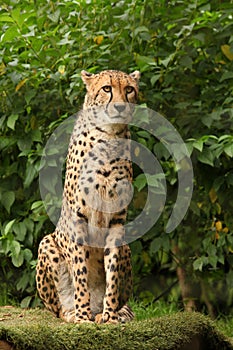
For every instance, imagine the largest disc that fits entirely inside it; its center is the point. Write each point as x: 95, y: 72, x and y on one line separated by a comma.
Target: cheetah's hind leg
x: 54, y: 282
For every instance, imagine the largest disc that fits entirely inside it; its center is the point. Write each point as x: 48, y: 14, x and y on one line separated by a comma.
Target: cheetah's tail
x: 125, y: 314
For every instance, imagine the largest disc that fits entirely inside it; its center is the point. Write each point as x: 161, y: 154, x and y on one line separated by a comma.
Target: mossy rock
x: 39, y: 330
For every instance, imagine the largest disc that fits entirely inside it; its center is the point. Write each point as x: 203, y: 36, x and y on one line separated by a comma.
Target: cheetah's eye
x: 107, y: 88
x: 129, y: 89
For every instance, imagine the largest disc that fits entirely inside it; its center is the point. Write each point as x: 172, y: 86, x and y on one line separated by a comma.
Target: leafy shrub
x: 184, y: 52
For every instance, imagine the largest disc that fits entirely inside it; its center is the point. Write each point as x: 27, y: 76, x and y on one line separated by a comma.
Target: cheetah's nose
x: 119, y: 107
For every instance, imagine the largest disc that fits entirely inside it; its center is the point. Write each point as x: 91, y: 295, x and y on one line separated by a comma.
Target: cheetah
x: 84, y: 269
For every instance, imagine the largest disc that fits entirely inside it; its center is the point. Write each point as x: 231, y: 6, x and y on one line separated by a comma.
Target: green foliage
x: 158, y: 309
x: 184, y: 51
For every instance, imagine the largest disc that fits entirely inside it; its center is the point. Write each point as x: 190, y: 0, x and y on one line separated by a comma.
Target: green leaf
x: 140, y: 182
x: 142, y: 141
x: 55, y: 16
x: 7, y: 200
x: 144, y: 62
x: 224, y: 138
x: 29, y: 95
x: 23, y: 282
x: 198, y: 264
x: 229, y: 150
x: 27, y: 255
x: 15, y: 248
x: 17, y: 260
x: 5, y: 18
x: 221, y: 259
x: 166, y: 243
x: 155, y: 245
x: 20, y: 230
x: 165, y: 62
x: 186, y: 62
x: 65, y: 41
x: 30, y: 175
x: 211, y: 250
x: 50, y: 183
x: 25, y: 303
x: 198, y: 144
x: 36, y: 135
x: 16, y: 13
x: 11, y: 121
x: 154, y: 180
x: 36, y: 205
x: 144, y: 134
x: 189, y: 146
x: 140, y: 29
x: 213, y: 260
x: 9, y: 226
x: 155, y: 78
x: 29, y: 224
x: 161, y: 151
x: 17, y: 254
x: 230, y: 240
x: 218, y: 182
x: 10, y: 34
x: 206, y: 157
x: 24, y: 144
x: 226, y: 75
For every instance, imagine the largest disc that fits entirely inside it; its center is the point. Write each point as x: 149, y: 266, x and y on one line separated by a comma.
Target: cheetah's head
x: 111, y: 88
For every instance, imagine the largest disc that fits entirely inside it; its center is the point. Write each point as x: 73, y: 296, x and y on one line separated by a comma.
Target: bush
x: 184, y: 52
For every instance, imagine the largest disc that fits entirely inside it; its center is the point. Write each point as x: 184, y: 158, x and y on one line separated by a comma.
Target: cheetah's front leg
x: 111, y: 299
x: 112, y: 257
x: 80, y: 279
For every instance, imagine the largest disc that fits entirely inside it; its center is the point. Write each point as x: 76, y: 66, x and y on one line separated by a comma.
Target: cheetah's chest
x: 98, y: 176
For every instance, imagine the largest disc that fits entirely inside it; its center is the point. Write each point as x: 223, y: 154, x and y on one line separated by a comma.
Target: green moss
x: 39, y: 330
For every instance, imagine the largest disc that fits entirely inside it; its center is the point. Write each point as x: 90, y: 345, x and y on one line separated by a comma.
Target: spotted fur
x: 84, y: 267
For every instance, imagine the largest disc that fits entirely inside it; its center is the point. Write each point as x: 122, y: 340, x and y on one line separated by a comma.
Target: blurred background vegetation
x: 184, y: 51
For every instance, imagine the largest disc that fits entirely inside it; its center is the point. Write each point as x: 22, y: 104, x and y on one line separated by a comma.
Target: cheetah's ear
x: 135, y: 75
x: 86, y: 77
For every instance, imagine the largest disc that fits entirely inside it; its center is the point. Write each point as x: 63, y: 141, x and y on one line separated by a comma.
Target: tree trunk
x: 190, y: 290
